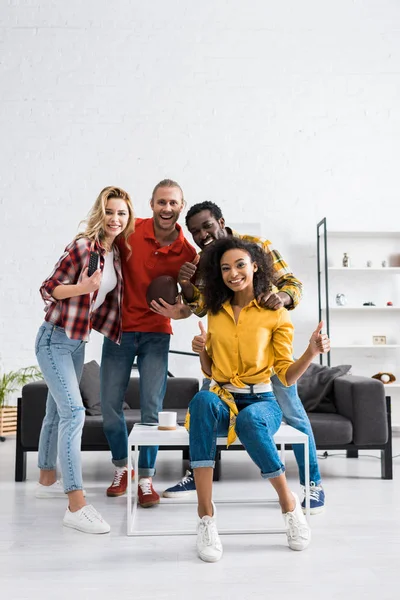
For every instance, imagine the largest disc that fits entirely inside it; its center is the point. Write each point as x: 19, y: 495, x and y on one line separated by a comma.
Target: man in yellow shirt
x: 207, y: 224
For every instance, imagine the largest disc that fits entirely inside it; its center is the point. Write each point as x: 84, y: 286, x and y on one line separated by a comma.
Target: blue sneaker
x: 317, y: 499
x: 185, y: 487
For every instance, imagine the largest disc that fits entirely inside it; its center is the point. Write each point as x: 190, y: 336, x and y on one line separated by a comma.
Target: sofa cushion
x: 90, y: 389
x: 179, y: 392
x: 331, y: 430
x: 315, y: 387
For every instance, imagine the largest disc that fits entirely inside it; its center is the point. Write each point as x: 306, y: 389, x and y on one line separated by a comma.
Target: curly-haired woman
x: 242, y: 345
x: 75, y: 304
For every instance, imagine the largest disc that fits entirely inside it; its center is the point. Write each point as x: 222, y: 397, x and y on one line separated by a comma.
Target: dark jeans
x: 151, y: 350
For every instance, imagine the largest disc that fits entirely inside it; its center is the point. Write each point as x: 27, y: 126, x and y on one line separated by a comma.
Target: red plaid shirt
x: 76, y: 314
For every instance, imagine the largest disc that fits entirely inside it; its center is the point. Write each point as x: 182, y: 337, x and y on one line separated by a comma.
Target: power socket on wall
x: 379, y: 340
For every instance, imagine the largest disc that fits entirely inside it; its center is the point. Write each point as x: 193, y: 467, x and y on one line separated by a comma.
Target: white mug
x: 167, y: 420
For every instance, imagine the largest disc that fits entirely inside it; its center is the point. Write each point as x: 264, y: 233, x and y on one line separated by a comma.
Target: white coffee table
x: 149, y: 435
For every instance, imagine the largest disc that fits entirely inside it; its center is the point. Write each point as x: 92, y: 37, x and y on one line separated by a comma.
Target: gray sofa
x: 361, y: 419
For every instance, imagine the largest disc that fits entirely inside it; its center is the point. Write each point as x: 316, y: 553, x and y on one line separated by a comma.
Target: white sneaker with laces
x: 297, y: 529
x: 87, y: 519
x: 55, y: 490
x: 209, y: 547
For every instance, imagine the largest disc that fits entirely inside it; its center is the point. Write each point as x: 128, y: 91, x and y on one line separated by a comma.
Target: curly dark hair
x: 206, y: 205
x: 215, y: 290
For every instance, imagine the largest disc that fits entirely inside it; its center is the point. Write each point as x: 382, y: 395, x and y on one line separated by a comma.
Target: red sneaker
x: 146, y: 493
x: 120, y: 482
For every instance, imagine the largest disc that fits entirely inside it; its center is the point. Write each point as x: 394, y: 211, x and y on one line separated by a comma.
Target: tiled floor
x: 354, y: 553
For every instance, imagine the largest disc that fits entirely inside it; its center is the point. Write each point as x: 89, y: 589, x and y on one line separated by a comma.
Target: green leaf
x: 11, y: 382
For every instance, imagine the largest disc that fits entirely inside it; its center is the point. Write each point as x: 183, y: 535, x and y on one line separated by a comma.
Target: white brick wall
x: 282, y: 112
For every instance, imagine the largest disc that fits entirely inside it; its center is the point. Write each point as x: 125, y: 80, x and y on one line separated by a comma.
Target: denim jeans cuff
x: 312, y: 482
x: 146, y: 472
x: 47, y: 468
x: 274, y: 474
x: 73, y: 488
x: 120, y: 463
x: 202, y: 463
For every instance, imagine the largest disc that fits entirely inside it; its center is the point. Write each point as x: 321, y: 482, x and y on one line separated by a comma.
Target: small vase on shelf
x: 346, y: 260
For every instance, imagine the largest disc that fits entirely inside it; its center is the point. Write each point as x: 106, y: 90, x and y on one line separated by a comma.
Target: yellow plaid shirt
x: 283, y: 279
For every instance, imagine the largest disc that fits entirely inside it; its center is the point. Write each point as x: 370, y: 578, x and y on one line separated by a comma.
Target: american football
x: 164, y: 287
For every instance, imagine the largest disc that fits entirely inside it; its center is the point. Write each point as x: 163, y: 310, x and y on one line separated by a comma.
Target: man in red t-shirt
x: 157, y: 247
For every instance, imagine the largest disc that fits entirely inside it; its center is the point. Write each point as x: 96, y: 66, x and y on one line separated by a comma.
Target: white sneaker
x: 55, y: 490
x: 87, y: 519
x: 209, y: 547
x: 297, y: 529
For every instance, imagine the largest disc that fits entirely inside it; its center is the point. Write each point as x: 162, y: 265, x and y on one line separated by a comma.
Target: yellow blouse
x: 246, y: 352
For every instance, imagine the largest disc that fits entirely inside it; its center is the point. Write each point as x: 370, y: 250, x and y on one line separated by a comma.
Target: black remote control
x: 93, y: 263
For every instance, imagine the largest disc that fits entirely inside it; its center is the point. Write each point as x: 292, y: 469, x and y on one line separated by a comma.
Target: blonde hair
x: 95, y: 220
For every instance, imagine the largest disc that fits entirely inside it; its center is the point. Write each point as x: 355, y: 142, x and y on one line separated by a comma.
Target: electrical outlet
x: 379, y: 340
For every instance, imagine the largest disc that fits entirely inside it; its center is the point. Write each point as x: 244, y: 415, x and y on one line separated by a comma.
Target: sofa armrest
x: 33, y: 408
x: 362, y: 400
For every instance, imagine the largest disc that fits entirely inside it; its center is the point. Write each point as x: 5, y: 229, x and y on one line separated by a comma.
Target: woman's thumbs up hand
x: 199, y: 341
x: 319, y: 342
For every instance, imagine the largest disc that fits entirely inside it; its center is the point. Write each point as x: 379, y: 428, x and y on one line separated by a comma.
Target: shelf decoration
x: 384, y: 377
x: 341, y: 300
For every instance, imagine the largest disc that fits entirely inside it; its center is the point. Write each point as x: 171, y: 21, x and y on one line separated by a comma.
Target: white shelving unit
x: 365, y: 346
x: 352, y: 326
x: 364, y: 234
x: 382, y: 270
x: 365, y: 308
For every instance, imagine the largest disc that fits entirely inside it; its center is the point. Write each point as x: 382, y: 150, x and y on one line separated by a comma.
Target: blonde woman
x: 75, y: 303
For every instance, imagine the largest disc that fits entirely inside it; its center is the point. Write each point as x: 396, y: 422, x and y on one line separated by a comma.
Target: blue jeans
x: 61, y: 362
x: 296, y: 416
x: 258, y: 420
x: 151, y: 350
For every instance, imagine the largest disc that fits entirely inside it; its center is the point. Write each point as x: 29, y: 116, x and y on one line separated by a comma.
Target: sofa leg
x: 386, y: 463
x: 352, y: 453
x: 387, y: 453
x: 217, y: 468
x: 20, y: 455
x: 20, y: 464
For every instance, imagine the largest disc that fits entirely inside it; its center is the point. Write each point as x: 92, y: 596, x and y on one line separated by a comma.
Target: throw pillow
x: 315, y: 387
x: 90, y: 389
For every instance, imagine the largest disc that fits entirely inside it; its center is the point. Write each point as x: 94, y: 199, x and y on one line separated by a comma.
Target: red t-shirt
x: 148, y: 261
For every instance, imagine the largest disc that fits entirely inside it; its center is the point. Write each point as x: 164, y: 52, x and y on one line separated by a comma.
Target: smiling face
x: 116, y: 218
x: 167, y: 204
x: 205, y: 228
x: 237, y: 270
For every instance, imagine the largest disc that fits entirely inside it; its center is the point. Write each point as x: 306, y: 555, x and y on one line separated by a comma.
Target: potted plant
x: 9, y: 383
